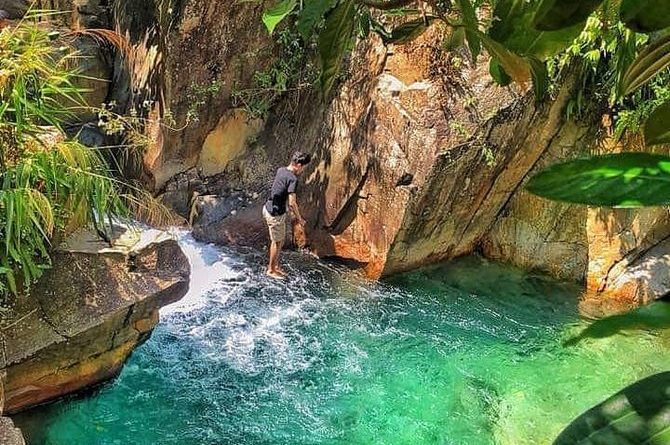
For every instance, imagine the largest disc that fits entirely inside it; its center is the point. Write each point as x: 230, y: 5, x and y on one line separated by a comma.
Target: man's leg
x: 274, y: 256
x: 276, y: 267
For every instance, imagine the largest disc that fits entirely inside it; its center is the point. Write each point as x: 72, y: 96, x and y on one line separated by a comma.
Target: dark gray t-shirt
x: 285, y: 183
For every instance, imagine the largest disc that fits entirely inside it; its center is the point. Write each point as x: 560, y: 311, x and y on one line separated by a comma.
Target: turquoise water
x: 464, y: 353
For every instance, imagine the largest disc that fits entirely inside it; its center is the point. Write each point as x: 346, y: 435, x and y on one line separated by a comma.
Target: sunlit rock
x: 86, y: 315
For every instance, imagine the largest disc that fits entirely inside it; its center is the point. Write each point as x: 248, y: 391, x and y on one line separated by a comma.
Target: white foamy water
x: 210, y: 267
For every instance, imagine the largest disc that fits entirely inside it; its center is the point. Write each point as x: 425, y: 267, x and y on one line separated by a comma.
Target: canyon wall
x: 419, y: 156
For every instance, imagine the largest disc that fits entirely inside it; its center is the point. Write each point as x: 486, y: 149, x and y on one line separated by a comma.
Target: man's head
x: 299, y: 161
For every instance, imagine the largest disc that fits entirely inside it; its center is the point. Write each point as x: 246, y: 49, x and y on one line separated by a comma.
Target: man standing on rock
x: 274, y: 211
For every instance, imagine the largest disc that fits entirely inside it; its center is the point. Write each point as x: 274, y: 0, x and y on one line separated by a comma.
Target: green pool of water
x: 465, y: 353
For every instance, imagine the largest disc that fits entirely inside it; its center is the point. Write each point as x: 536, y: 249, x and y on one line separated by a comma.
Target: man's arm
x: 293, y: 206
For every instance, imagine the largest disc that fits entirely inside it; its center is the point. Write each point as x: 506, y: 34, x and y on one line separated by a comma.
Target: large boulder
x: 414, y: 158
x: 15, y: 8
x: 538, y: 234
x: 94, y: 66
x: 9, y: 434
x: 86, y: 315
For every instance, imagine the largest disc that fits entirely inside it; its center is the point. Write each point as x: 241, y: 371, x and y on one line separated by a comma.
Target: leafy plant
x: 49, y: 185
x: 614, y: 180
x: 292, y: 70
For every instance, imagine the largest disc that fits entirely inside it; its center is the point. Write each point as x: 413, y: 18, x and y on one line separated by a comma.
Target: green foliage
x: 554, y: 15
x: 49, y: 185
x: 642, y: 105
x: 645, y: 15
x: 657, y: 128
x: 408, y: 31
x: 617, y: 180
x: 311, y: 16
x: 198, y: 95
x: 652, y: 316
x: 638, y: 414
x: 273, y: 16
x: 334, y: 41
x: 652, y: 61
x: 291, y: 70
x: 515, y: 30
x: 471, y: 23
x: 498, y: 73
x: 515, y: 66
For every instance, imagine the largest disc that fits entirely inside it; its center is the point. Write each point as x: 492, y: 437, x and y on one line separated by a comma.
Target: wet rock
x: 229, y: 220
x: 245, y: 227
x: 9, y: 434
x: 87, y: 314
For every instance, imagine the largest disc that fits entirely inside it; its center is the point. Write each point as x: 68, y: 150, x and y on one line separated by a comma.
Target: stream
x: 467, y: 353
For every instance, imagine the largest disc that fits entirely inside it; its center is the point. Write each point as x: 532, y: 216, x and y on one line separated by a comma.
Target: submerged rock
x: 87, y: 314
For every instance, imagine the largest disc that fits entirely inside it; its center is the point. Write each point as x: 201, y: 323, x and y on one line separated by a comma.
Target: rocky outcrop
x: 9, y: 434
x: 538, y: 234
x: 86, y: 315
x: 415, y: 157
x: 619, y: 254
x: 629, y: 252
x: 186, y: 58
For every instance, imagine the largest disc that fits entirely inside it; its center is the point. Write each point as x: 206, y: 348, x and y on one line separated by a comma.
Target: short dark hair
x: 301, y: 158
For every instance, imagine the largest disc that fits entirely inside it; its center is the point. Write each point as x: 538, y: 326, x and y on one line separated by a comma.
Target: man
x: 274, y: 211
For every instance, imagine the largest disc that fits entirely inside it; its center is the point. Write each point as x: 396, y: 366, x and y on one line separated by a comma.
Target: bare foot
x: 281, y: 271
x: 275, y: 274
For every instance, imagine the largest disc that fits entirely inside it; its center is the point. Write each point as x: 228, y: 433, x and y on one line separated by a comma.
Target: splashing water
x: 464, y: 353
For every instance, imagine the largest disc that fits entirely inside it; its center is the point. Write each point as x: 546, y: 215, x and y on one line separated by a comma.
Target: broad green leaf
x: 616, y: 180
x: 455, y: 39
x: 652, y: 316
x: 334, y: 41
x: 538, y: 71
x: 553, y: 15
x: 273, y: 16
x: 657, y: 127
x: 514, y: 65
x: 469, y: 15
x: 408, y: 31
x: 638, y: 414
x: 498, y: 73
x: 513, y: 27
x: 311, y: 15
x: 645, y: 15
x: 654, y: 59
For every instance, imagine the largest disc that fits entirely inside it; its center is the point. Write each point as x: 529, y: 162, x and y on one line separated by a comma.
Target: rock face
x: 86, y: 315
x: 415, y: 158
x: 9, y: 434
x: 186, y: 58
x: 419, y: 156
x: 538, y: 234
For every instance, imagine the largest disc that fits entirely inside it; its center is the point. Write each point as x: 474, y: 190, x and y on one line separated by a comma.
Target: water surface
x: 464, y: 353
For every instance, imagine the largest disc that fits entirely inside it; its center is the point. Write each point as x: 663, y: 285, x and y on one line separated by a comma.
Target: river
x: 467, y: 353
